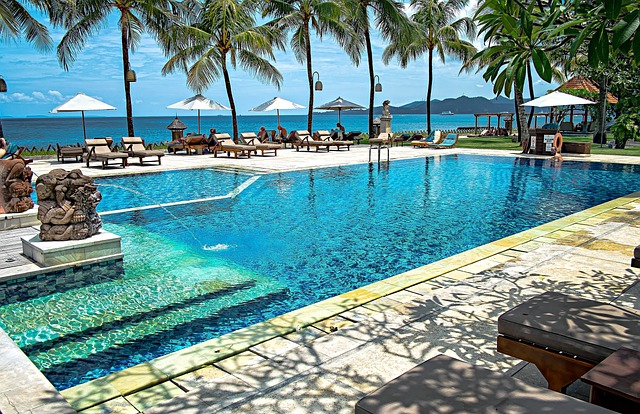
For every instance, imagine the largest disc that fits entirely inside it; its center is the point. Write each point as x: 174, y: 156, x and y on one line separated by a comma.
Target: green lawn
x: 504, y: 143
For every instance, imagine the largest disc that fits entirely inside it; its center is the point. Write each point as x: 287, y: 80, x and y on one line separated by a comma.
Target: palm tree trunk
x: 531, y: 93
x: 429, y: 86
x: 367, y: 38
x: 127, y: 85
x: 307, y: 45
x: 232, y: 104
x: 523, y: 130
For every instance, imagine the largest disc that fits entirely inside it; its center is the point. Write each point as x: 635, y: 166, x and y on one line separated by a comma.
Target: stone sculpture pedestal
x: 103, y: 245
x: 385, y: 124
x: 10, y: 221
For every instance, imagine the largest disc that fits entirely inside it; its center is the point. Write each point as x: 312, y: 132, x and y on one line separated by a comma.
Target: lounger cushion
x: 446, y: 385
x: 585, y: 328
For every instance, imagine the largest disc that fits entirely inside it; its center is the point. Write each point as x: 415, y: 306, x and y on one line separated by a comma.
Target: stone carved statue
x: 15, y: 186
x: 385, y: 109
x: 67, y: 203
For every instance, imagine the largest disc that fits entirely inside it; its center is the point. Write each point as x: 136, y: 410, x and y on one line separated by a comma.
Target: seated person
x: 282, y: 133
x: 3, y: 147
x: 338, y: 131
x: 262, y: 134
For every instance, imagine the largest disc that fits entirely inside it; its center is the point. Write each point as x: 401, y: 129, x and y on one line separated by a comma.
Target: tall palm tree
x: 85, y: 18
x: 220, y: 33
x: 16, y: 21
x: 437, y: 28
x: 389, y: 19
x: 302, y: 16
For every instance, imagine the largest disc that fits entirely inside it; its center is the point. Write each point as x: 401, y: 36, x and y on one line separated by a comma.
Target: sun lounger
x: 446, y: 385
x: 303, y: 139
x: 324, y: 135
x: 195, y: 144
x: 98, y: 149
x: 226, y: 144
x: 69, y: 151
x: 566, y: 336
x: 434, y: 137
x: 250, y: 138
x: 353, y: 136
x: 384, y: 138
x: 449, y: 141
x: 135, y: 148
x: 177, y: 145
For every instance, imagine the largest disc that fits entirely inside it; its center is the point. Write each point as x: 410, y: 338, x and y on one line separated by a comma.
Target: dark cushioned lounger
x: 446, y: 385
x: 566, y: 335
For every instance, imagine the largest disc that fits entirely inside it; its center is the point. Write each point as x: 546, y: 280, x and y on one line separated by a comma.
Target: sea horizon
x: 40, y: 132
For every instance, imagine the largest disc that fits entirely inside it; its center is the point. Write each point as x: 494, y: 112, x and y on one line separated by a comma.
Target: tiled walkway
x: 325, y: 357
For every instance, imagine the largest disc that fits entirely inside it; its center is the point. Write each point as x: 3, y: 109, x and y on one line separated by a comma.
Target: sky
x: 37, y: 83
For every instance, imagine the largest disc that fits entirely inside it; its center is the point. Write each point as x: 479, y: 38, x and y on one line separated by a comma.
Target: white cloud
x: 20, y: 97
x: 55, y: 95
x: 38, y: 96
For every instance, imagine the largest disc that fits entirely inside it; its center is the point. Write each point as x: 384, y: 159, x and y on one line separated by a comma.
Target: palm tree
x: 301, y: 16
x: 390, y: 20
x: 16, y: 21
x: 436, y: 29
x: 85, y: 19
x: 220, y: 33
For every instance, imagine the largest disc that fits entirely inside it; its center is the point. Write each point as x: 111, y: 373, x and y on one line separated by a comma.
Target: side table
x: 615, y: 382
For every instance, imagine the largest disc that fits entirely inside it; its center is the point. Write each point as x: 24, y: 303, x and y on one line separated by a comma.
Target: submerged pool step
x: 123, y: 354
x: 235, y: 170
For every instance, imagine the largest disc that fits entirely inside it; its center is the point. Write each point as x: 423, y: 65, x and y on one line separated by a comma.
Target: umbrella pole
x: 278, y: 112
x: 339, y: 120
x: 198, y: 121
x: 84, y: 128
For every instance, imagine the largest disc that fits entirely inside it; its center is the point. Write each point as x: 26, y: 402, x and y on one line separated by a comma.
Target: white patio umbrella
x: 277, y: 104
x: 199, y: 103
x: 339, y: 104
x: 81, y: 103
x: 558, y: 99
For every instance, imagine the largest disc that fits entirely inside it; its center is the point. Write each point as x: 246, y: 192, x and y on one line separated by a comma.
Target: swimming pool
x: 198, y: 270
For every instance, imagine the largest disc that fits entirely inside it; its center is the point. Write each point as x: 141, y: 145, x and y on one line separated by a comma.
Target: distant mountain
x: 461, y: 105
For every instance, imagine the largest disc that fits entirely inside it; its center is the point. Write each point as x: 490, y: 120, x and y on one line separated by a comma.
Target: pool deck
x: 326, y: 356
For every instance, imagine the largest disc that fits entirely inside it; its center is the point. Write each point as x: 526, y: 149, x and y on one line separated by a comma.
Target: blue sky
x: 37, y: 83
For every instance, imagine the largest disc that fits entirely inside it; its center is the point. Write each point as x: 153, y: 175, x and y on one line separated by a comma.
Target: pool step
x: 123, y: 354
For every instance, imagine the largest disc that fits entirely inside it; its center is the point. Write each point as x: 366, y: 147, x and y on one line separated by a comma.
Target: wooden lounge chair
x: 224, y: 143
x: 566, y: 336
x: 450, y: 140
x: 446, y: 385
x: 98, y: 149
x: 135, y: 148
x: 249, y: 138
x: 434, y: 137
x: 353, y: 136
x: 384, y: 138
x: 195, y: 144
x: 69, y: 151
x: 324, y: 135
x: 303, y: 139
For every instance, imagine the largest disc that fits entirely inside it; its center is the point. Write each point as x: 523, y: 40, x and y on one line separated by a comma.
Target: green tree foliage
x: 301, y: 17
x: 16, y: 22
x: 83, y: 20
x: 219, y: 34
x: 437, y: 29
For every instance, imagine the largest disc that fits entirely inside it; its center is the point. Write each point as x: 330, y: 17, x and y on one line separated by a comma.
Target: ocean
x: 42, y: 132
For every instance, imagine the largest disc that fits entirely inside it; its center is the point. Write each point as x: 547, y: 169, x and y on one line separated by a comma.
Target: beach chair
x: 98, y: 149
x: 69, y: 151
x: 195, y: 144
x: 565, y: 336
x: 352, y: 136
x: 326, y: 136
x: 447, y: 385
x: 12, y: 152
x: 303, y: 139
x: 450, y: 140
x: 249, y: 138
x: 434, y: 137
x: 135, y: 148
x: 226, y: 144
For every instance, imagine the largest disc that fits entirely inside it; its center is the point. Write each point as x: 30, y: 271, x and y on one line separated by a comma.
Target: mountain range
x: 460, y: 105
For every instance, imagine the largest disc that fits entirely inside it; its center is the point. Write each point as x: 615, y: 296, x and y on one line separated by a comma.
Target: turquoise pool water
x: 198, y: 270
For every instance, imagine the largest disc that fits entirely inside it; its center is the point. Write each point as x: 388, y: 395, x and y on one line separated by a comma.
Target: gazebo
x: 579, y: 82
